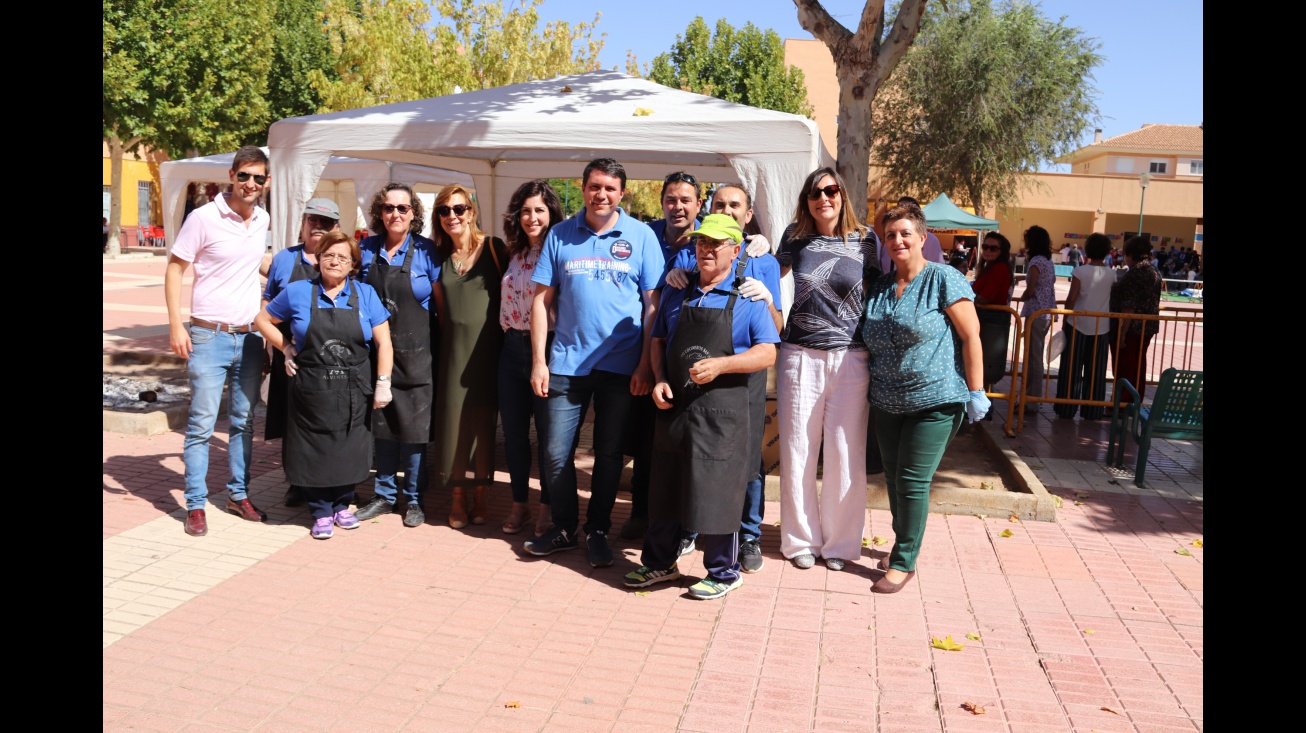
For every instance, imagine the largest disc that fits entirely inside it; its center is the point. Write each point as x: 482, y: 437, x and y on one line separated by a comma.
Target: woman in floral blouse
x: 1137, y: 291
x: 534, y: 208
x: 1040, y: 293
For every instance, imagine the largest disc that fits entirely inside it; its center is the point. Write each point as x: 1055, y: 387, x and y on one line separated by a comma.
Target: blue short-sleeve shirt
x: 426, y: 263
x: 600, y: 281
x: 765, y: 268
x: 292, y: 304
x: 283, y: 263
x: 751, y: 324
x: 916, y: 357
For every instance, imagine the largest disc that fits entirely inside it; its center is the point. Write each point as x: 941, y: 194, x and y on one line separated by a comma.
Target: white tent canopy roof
x: 350, y: 182
x: 507, y: 135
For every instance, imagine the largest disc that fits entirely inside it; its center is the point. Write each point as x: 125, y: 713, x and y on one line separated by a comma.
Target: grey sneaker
x: 750, y: 556
x: 686, y: 546
x: 599, y: 551
x: 709, y: 588
x: 803, y: 561
x: 834, y: 563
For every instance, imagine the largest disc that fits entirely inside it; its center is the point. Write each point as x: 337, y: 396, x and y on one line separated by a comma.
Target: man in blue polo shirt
x: 599, y: 269
x: 707, y: 340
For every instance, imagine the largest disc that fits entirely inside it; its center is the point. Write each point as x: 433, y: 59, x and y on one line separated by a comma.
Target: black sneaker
x: 413, y: 516
x: 374, y: 508
x: 686, y: 546
x: 554, y: 540
x: 295, y: 497
x: 750, y: 556
x: 599, y: 551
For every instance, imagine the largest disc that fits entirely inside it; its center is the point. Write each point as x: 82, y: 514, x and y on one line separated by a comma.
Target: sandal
x: 517, y: 518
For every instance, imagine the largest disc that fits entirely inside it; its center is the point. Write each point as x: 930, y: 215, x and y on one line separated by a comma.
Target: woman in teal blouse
x: 927, y: 372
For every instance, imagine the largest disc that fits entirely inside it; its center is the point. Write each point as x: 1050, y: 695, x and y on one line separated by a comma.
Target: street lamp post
x: 1143, y: 180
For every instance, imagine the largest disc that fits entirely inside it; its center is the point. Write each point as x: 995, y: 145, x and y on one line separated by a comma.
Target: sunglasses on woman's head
x: 391, y: 208
x: 244, y: 176
x: 456, y: 209
x: 830, y: 192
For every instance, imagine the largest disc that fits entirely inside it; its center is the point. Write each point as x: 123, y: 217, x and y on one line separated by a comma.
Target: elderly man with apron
x: 706, y: 341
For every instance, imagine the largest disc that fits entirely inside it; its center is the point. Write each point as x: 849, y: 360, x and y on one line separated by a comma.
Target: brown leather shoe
x: 883, y: 564
x: 246, y: 510
x: 196, y: 523
x: 884, y: 586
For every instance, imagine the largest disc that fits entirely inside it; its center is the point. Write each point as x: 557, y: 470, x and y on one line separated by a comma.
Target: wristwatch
x: 383, y: 378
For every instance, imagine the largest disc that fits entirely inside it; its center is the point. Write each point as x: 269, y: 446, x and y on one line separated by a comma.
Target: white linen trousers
x: 822, y: 396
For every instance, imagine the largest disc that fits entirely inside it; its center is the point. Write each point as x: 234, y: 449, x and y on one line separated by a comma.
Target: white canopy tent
x: 350, y: 182
x: 553, y: 128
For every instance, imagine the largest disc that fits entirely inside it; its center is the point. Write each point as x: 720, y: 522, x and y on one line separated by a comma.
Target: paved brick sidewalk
x: 1093, y: 623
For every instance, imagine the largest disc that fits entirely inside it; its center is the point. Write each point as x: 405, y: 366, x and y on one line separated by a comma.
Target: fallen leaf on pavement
x: 643, y: 112
x: 1197, y: 543
x: 946, y: 644
x: 1079, y: 503
x: 642, y: 592
x: 878, y: 540
x: 1006, y: 533
x: 973, y: 636
x: 1109, y: 710
x: 1089, y: 631
x: 1057, y: 500
x: 1013, y: 518
x: 566, y: 90
x: 513, y: 704
x: 866, y: 542
x: 982, y: 516
x: 1182, y: 551
x: 972, y: 707
x: 986, y: 485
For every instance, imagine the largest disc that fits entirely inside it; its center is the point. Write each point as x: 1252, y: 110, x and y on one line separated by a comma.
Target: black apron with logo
x: 274, y: 425
x: 407, y: 419
x: 327, y: 442
x: 700, y: 460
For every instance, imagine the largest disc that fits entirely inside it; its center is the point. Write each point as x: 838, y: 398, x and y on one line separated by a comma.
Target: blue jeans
x: 217, y: 357
x: 517, y: 403
x: 569, y: 398
x: 750, y: 524
x: 392, y: 457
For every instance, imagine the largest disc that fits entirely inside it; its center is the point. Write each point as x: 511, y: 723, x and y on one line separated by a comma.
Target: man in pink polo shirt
x: 225, y: 239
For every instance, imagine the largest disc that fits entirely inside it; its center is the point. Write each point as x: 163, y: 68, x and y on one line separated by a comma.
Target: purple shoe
x: 322, y: 529
x: 345, y: 519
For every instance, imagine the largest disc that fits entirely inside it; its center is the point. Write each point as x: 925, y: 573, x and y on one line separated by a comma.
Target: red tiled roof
x: 1179, y: 138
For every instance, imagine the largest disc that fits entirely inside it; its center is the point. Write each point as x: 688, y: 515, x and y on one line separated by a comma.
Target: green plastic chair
x: 1176, y: 413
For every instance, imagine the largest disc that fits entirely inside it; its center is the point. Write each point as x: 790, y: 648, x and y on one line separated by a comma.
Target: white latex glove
x: 758, y: 246
x: 978, y: 405
x: 290, y: 353
x: 677, y: 278
x: 753, y: 289
x: 381, y: 394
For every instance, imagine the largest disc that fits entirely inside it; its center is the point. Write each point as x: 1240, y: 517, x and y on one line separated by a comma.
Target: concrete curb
x: 1025, y: 497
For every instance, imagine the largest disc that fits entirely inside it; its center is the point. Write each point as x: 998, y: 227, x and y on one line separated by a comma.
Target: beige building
x: 1102, y: 193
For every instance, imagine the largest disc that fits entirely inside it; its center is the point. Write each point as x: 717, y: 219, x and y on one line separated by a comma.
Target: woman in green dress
x: 467, y: 367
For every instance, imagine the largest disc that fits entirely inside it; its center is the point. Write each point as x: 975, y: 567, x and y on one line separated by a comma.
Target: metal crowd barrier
x: 1178, y: 344
x: 1011, y: 359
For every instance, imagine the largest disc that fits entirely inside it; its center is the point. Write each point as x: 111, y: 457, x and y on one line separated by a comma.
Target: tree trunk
x: 857, y: 88
x: 116, y: 148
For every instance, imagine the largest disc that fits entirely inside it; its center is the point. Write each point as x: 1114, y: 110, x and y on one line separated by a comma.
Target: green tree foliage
x: 386, y: 51
x: 569, y: 194
x: 181, y: 76
x: 745, y: 66
x: 302, y: 46
x: 863, y: 62
x: 985, y: 94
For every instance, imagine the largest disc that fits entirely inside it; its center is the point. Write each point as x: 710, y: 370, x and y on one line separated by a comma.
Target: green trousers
x: 912, y: 446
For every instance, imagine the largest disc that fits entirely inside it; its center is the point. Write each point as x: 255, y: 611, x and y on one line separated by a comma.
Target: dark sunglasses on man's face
x: 320, y: 222
x: 244, y: 176
x: 456, y: 209
x: 391, y: 208
x: 829, y: 191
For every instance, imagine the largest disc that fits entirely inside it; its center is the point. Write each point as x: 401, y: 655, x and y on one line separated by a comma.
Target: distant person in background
x: 958, y: 262
x: 105, y: 222
x: 1075, y: 257
x: 1039, y: 294
x: 1082, y: 371
x: 993, y: 285
x: 1138, y: 291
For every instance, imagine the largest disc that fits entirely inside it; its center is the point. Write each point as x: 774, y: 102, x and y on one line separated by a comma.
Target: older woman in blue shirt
x: 927, y: 373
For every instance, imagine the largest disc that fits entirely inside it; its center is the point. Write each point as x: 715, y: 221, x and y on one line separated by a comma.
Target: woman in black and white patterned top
x: 823, y: 377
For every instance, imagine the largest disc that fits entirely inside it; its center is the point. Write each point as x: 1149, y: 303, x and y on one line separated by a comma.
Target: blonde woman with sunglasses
x: 467, y: 368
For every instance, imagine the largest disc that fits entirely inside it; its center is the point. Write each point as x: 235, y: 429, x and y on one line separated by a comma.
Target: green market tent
x: 941, y: 213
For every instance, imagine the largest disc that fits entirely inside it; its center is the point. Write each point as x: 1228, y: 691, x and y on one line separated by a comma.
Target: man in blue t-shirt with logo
x: 600, y: 270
